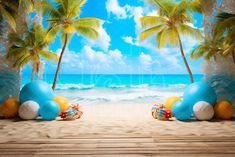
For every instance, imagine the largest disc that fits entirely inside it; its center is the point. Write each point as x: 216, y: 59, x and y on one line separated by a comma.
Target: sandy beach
x: 120, y: 119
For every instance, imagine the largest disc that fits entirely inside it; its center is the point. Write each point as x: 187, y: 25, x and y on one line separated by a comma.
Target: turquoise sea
x: 91, y: 89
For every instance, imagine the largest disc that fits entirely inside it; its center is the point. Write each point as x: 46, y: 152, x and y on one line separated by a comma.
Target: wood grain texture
x: 121, y: 145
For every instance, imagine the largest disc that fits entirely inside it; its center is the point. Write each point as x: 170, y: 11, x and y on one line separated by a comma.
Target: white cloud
x: 93, y: 56
x: 103, y: 41
x: 130, y: 40
x: 145, y: 59
x: 113, y: 7
x: 116, y: 55
x: 91, y: 61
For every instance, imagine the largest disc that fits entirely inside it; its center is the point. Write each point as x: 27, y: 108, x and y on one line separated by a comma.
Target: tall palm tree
x: 172, y: 21
x: 30, y: 49
x: 64, y: 17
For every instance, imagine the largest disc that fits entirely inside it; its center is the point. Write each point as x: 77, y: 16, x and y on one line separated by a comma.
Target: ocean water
x: 93, y: 89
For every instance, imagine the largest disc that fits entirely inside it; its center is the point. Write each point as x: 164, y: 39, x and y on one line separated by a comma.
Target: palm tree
x: 30, y: 48
x: 64, y: 17
x: 225, y: 30
x: 208, y: 49
x: 173, y: 20
x: 222, y: 42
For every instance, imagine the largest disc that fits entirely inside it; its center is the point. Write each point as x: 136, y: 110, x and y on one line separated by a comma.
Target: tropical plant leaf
x: 51, y: 33
x: 48, y: 55
x: 75, y: 8
x: 68, y: 29
x: 150, y: 21
x: 87, y: 32
x: 8, y: 18
x: 187, y: 30
x: 26, y: 6
x: 150, y: 32
x: 48, y: 9
x: 16, y: 52
x: 87, y: 22
x: 165, y: 7
x: 22, y: 61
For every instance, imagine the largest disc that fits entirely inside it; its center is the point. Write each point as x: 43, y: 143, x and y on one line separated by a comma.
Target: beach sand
x: 119, y: 119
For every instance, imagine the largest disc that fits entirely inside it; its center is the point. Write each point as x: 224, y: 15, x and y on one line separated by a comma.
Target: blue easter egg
x: 181, y: 111
x: 49, y: 110
x: 37, y: 91
x: 199, y: 91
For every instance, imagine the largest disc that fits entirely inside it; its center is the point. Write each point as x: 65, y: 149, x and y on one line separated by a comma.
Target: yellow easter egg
x: 62, y: 102
x: 171, y: 101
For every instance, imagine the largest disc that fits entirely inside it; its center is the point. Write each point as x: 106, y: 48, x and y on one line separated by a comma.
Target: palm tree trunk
x: 60, y: 59
x: 185, y: 60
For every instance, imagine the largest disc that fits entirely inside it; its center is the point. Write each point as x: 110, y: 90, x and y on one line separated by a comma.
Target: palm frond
x: 87, y: 32
x: 48, y: 55
x: 13, y: 37
x: 8, y: 17
x: 165, y: 7
x: 48, y: 9
x: 26, y: 6
x: 172, y: 37
x: 68, y: 29
x: 22, y: 61
x: 39, y: 34
x: 16, y: 52
x: 150, y: 21
x: 187, y: 30
x: 75, y: 8
x: 198, y: 51
x: 51, y: 33
x: 150, y: 32
x: 87, y: 22
x: 162, y: 38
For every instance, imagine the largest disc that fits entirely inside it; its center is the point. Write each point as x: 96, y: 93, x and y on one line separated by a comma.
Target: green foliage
x: 207, y: 49
x: 223, y: 39
x: 65, y: 18
x: 30, y: 48
x: 173, y: 20
x: 8, y: 9
x: 225, y: 30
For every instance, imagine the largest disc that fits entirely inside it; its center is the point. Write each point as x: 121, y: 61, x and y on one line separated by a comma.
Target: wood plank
x: 121, y: 145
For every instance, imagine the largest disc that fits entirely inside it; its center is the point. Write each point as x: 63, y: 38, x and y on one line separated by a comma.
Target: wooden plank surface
x: 121, y: 145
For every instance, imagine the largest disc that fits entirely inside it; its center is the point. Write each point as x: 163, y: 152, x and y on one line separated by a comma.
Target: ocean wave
x: 180, y: 85
x: 116, y: 86
x: 74, y: 86
x: 140, y: 86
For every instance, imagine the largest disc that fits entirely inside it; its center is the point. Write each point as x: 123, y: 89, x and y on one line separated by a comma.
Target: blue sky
x: 118, y: 51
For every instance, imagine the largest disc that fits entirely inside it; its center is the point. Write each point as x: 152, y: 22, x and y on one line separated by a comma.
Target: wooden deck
x: 121, y: 145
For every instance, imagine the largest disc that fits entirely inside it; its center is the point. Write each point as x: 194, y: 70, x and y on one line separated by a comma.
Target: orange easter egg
x: 223, y: 110
x: 10, y: 108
